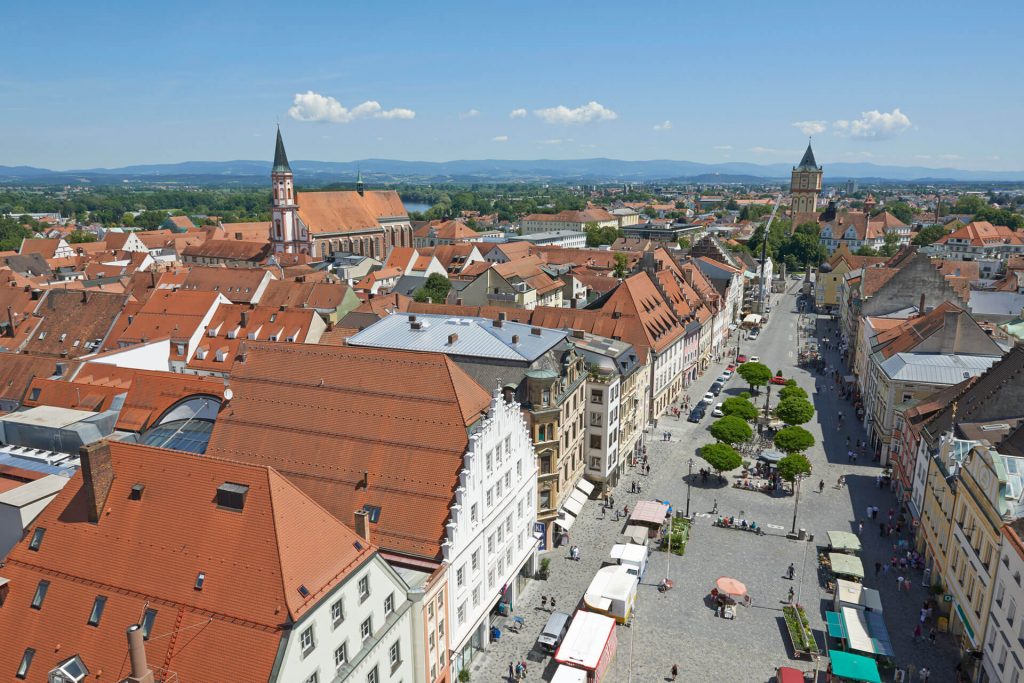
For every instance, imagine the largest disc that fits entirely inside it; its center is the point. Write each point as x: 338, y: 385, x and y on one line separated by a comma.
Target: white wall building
x: 361, y: 631
x: 1003, y: 652
x: 601, y: 447
x: 20, y: 506
x: 490, y: 533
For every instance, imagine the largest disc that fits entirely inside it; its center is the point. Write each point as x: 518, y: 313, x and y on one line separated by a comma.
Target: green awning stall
x: 847, y: 667
x: 846, y: 565
x: 836, y: 628
x: 843, y: 541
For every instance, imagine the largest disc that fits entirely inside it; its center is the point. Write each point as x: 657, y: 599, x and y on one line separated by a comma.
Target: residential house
x: 435, y: 233
x: 992, y: 245
x: 554, y: 238
x: 538, y: 366
x: 332, y: 300
x: 47, y: 248
x: 238, y: 285
x: 443, y: 470
x: 856, y: 229
x: 313, y: 601
x: 913, y: 359
x: 503, y: 252
x: 71, y: 324
x: 180, y: 316
x: 230, y: 253
x: 521, y: 283
x: 728, y: 282
x: 1003, y: 653
x: 178, y: 224
x: 828, y: 279
x: 574, y: 221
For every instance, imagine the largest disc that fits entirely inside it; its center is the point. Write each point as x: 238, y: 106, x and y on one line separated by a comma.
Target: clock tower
x: 805, y: 187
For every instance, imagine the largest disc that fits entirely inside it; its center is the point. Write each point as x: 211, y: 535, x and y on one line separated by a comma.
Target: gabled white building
x: 490, y: 534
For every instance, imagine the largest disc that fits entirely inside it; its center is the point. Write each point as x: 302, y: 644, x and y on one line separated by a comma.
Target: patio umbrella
x: 730, y: 587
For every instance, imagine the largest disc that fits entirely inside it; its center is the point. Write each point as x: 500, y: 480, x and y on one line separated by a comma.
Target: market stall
x: 612, y: 592
x: 848, y: 668
x: 589, y: 645
x: 843, y: 542
x: 650, y: 514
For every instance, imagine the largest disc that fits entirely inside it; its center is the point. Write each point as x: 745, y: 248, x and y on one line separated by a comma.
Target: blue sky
x: 909, y: 83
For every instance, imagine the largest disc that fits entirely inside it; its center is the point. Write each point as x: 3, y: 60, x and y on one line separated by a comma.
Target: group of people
x: 574, y: 553
x: 517, y: 670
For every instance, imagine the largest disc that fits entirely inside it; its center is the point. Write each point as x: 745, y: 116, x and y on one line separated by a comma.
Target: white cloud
x: 994, y: 157
x: 772, y: 150
x: 874, y: 125
x: 857, y: 155
x: 472, y: 113
x: 591, y: 111
x: 555, y: 141
x: 811, y: 127
x: 664, y: 125
x: 312, y: 106
x: 500, y: 138
x: 517, y: 114
x: 948, y: 157
x: 723, y: 148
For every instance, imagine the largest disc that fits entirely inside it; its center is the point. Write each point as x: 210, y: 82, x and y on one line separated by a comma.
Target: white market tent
x: 585, y: 640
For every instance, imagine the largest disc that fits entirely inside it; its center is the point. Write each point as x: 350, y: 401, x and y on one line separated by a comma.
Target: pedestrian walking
x: 885, y: 570
x: 906, y: 585
x: 552, y: 603
x: 917, y: 633
x: 675, y: 671
x: 821, y: 486
x: 932, y: 633
x: 924, y: 674
x: 648, y: 470
x: 543, y: 602
x: 869, y: 511
x: 790, y: 571
x: 860, y: 527
x: 511, y: 671
x: 878, y: 567
x: 792, y: 593
x: 899, y: 583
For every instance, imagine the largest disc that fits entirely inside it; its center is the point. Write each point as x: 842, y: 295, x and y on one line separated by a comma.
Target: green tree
x: 684, y: 243
x: 755, y: 374
x: 621, y: 265
x: 891, y: 246
x: 598, y: 236
x: 791, y: 390
x: 929, y: 234
x: 751, y: 212
x: 721, y: 456
x: 79, y: 236
x: 901, y: 210
x: 150, y: 219
x: 794, y: 411
x: 739, y: 407
x: 793, y: 465
x: 436, y: 289
x: 969, y: 203
x: 866, y: 251
x: 731, y: 429
x: 793, y: 439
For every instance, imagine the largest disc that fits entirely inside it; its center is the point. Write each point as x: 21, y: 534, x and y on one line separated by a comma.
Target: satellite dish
x: 228, y: 394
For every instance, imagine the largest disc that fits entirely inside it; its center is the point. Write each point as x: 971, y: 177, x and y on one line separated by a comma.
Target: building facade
x: 805, y: 186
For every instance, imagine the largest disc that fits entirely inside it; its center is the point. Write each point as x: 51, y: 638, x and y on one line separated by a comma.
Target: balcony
x: 501, y: 296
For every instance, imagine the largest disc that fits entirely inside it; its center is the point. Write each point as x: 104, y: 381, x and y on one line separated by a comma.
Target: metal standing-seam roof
x: 935, y: 368
x: 476, y: 337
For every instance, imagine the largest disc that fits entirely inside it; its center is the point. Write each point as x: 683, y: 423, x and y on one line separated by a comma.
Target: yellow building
x: 826, y: 283
x: 988, y: 492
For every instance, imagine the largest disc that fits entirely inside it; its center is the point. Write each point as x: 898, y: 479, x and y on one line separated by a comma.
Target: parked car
x: 723, y: 378
x: 730, y: 368
x: 778, y: 379
x: 727, y: 374
x: 741, y: 359
x: 717, y: 412
x: 755, y: 359
x: 697, y: 414
x: 753, y: 335
x: 708, y: 398
x: 716, y: 388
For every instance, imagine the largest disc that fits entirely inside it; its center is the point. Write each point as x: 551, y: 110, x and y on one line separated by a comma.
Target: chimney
x: 452, y: 338
x: 97, y: 477
x: 141, y: 672
x: 363, y: 524
x: 920, y: 306
x: 950, y: 331
x: 152, y: 278
x: 498, y: 322
x: 535, y: 331
x: 365, y: 483
x: 245, y: 319
x: 412, y: 318
x: 577, y: 334
x: 85, y: 298
x: 10, y: 319
x: 515, y: 338
x: 238, y: 236
x: 458, y: 302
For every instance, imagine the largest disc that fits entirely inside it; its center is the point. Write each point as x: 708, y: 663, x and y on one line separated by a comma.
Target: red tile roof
x: 148, y: 553
x: 348, y: 211
x: 325, y: 415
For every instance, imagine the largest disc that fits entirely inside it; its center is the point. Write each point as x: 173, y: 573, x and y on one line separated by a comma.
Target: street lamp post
x: 689, y: 476
x: 796, y: 503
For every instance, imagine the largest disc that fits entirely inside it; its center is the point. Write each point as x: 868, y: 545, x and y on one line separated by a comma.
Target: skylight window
x: 200, y: 580
x: 97, y: 610
x: 147, y: 622
x: 373, y: 512
x: 37, y: 538
x: 26, y: 662
x: 37, y: 599
x: 303, y: 591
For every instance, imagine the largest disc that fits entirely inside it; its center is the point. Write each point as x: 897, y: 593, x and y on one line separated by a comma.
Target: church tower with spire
x: 805, y: 187
x: 287, y: 233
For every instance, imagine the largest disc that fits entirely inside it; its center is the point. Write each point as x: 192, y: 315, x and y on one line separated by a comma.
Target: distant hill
x: 245, y: 172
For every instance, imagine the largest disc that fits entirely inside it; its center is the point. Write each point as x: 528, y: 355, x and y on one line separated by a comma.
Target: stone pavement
x: 678, y: 627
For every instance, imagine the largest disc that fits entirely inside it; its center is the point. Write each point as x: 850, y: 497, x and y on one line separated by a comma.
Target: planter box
x: 799, y: 631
